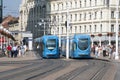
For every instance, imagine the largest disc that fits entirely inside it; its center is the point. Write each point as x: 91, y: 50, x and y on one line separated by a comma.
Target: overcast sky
x: 11, y: 7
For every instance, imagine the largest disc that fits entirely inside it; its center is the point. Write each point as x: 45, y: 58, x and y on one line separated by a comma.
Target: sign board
x: 27, y: 35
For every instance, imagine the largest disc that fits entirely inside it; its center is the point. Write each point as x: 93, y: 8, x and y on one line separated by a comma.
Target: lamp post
x: 59, y: 8
x: 1, y: 10
x: 67, y: 46
x: 117, y: 14
x: 43, y: 24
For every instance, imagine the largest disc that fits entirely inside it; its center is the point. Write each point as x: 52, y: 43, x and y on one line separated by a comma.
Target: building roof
x: 9, y: 20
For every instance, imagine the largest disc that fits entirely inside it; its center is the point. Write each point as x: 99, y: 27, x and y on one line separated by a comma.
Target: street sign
x: 27, y: 35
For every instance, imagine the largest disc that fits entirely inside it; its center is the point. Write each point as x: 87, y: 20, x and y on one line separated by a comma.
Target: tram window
x: 74, y: 46
x: 83, y: 44
x: 51, y: 44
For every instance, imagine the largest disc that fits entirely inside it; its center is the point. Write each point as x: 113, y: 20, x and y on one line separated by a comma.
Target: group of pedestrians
x: 104, y: 50
x: 15, y: 50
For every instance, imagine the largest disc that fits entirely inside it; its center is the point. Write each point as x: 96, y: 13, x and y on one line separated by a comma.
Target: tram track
x: 44, y: 69
x: 92, y: 71
x: 33, y: 71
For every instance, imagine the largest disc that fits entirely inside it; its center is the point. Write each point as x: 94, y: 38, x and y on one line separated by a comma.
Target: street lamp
x: 67, y: 46
x: 59, y: 22
x: 117, y: 14
x: 40, y: 23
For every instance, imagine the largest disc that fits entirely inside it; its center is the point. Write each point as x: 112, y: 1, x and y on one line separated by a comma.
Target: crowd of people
x: 104, y: 50
x: 15, y: 50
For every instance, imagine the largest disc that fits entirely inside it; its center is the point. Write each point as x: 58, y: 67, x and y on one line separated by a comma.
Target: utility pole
x: 1, y: 10
x: 117, y: 14
x: 67, y: 46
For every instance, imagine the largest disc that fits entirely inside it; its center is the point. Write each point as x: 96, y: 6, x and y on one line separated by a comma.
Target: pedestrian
x: 9, y: 48
x: 14, y: 50
x: 104, y: 51
x: 93, y: 49
x: 96, y: 51
x: 19, y: 51
x: 22, y: 50
x: 110, y: 52
x: 25, y: 47
x: 99, y: 50
x: 114, y: 52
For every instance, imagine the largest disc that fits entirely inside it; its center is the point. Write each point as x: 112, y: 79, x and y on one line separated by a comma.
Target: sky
x: 11, y: 7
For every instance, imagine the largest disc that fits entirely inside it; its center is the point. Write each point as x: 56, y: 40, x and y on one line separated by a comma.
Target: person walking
x: 104, y: 51
x: 96, y: 51
x: 22, y: 50
x: 99, y: 50
x: 14, y: 51
x: 110, y: 52
x: 9, y: 48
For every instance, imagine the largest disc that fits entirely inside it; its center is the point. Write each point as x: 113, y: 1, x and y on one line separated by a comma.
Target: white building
x: 85, y: 16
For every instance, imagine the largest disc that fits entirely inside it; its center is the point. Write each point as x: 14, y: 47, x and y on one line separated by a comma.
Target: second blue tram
x: 49, y: 47
x: 81, y: 46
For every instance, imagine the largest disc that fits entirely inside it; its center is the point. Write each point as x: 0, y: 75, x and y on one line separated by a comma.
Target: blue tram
x: 48, y: 46
x: 79, y: 46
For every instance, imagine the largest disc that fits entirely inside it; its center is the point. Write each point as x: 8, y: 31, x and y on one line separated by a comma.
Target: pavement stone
x: 29, y: 55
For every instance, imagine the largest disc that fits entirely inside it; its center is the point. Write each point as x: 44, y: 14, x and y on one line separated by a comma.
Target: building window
x: 101, y: 14
x: 70, y: 4
x: 71, y: 17
x: 95, y: 28
x: 90, y: 16
x: 95, y: 2
x: 75, y: 4
x: 101, y: 28
x: 67, y: 5
x: 62, y: 18
x: 90, y: 3
x: 85, y: 3
x: 62, y: 30
x: 85, y: 16
x: 112, y: 28
x: 62, y: 6
x: 106, y: 2
x: 85, y: 29
x: 75, y: 17
x: 119, y: 15
x: 112, y: 14
x: 95, y: 15
x: 75, y: 29
x: 53, y: 6
x: 119, y: 2
x: 58, y: 18
x: 119, y: 28
x: 57, y: 6
x: 80, y: 17
x: 80, y: 4
x: 80, y: 29
x: 90, y: 28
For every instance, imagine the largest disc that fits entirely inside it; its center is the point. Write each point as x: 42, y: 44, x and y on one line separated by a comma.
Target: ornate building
x: 93, y: 17
x: 32, y: 16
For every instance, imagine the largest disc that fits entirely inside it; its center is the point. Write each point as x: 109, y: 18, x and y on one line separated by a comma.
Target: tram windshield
x: 83, y: 44
x: 51, y: 44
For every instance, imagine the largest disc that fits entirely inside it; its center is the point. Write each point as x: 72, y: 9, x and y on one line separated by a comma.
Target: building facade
x: 93, y: 17
x: 32, y: 17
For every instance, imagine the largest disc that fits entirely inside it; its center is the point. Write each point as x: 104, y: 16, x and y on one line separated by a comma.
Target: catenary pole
x: 67, y: 46
x: 117, y: 11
